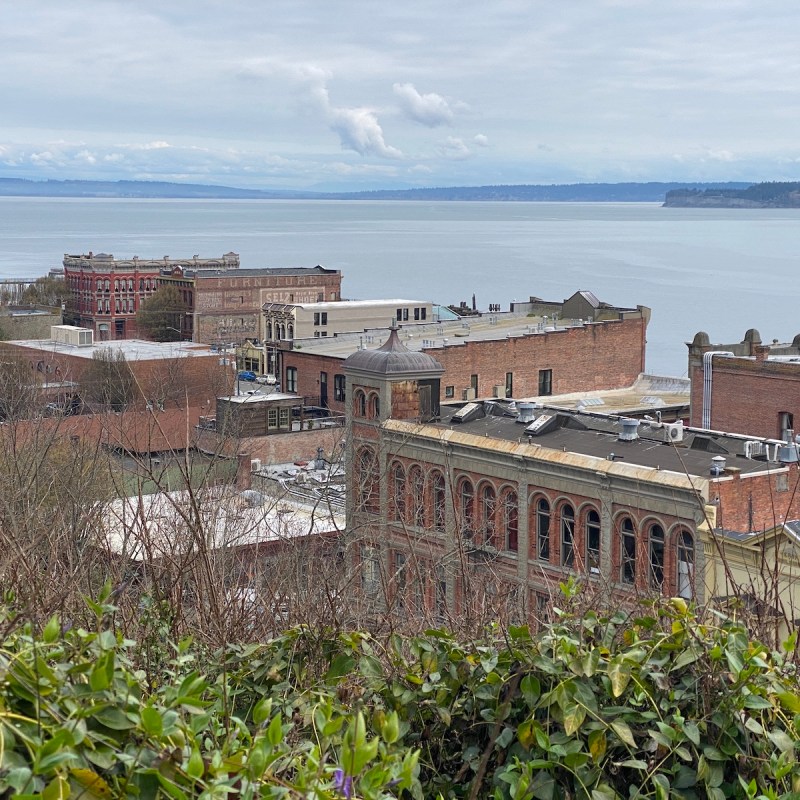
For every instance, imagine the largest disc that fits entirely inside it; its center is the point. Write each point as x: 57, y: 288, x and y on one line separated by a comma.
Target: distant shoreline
x: 759, y: 195
x: 653, y: 192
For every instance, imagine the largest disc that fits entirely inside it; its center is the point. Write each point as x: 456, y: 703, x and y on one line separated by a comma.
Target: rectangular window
x: 291, y: 379
x: 545, y: 381
x: 370, y: 569
x: 628, y: 553
x: 338, y: 388
x: 283, y: 418
x: 400, y: 578
x: 272, y: 419
x: 509, y: 384
x: 416, y: 313
x: 320, y: 317
x: 449, y: 391
x: 402, y: 315
x: 423, y: 313
x: 473, y: 382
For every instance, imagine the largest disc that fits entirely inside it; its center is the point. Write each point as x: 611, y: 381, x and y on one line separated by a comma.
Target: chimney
x: 243, y: 471
x: 761, y: 351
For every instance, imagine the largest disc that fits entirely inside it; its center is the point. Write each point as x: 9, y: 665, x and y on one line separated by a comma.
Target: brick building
x: 140, y: 374
x: 228, y: 306
x: 747, y: 387
x: 494, y: 355
x: 108, y: 292
x: 222, y: 302
x: 452, y: 506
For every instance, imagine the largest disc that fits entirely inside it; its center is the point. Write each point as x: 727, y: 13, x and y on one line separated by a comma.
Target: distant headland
x: 759, y: 195
x: 652, y: 192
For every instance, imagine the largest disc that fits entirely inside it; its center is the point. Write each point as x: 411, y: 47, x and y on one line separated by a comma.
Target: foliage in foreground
x: 664, y: 706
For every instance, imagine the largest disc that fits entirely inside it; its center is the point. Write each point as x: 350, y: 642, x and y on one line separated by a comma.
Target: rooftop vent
x: 787, y: 453
x: 525, y: 412
x: 717, y: 465
x: 629, y: 429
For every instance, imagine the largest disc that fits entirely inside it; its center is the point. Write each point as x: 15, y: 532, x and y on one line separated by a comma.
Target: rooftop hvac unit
x: 673, y: 432
x: 468, y: 394
x: 255, y: 464
x: 72, y: 335
x: 499, y: 390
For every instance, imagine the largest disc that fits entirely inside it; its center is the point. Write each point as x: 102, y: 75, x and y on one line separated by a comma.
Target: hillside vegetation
x: 665, y: 705
x: 760, y: 195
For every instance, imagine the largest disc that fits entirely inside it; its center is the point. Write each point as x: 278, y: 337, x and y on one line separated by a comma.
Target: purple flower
x: 343, y: 783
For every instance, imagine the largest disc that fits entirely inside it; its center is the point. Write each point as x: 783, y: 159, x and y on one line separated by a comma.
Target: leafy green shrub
x: 664, y: 706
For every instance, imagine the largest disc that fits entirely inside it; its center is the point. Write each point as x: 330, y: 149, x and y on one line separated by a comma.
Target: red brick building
x: 746, y: 387
x: 222, y: 302
x: 481, y: 504
x: 499, y: 355
x: 150, y: 374
x: 228, y: 305
x: 107, y: 292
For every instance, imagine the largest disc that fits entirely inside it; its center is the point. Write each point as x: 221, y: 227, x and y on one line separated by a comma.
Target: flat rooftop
x: 255, y: 272
x: 132, y: 349
x: 351, y: 305
x: 598, y: 437
x: 153, y: 526
x: 432, y: 336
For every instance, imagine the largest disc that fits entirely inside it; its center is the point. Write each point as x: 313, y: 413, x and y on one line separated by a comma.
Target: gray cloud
x: 429, y: 109
x: 617, y: 89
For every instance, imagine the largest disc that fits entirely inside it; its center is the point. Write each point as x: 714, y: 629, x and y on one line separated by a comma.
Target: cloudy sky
x: 362, y: 94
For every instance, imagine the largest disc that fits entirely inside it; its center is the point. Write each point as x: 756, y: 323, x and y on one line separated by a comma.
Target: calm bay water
x: 722, y: 271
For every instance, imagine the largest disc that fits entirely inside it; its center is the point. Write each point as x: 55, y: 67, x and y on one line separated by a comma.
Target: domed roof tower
x: 393, y: 381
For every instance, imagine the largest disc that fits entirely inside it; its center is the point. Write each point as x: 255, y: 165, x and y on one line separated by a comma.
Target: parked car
x: 269, y: 380
x: 247, y: 375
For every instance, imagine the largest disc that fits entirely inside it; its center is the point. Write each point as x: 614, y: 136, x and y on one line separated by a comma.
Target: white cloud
x: 454, y: 148
x: 481, y: 140
x: 428, y: 109
x: 358, y: 128
x: 150, y: 146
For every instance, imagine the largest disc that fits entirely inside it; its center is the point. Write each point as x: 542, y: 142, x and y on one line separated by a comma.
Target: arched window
x: 269, y: 330
x: 99, y: 286
x: 107, y: 284
x: 130, y: 284
x: 627, y: 551
x: 374, y: 406
x: 656, y: 545
x: 141, y: 284
x: 488, y: 510
x: 510, y: 513
x: 359, y: 403
x: 543, y: 529
x: 466, y: 503
x: 291, y: 331
x: 416, y: 482
x: 438, y: 499
x: 398, y: 492
x: 593, y: 542
x: 567, y: 535
x: 116, y: 285
x: 367, y: 495
x: 685, y: 564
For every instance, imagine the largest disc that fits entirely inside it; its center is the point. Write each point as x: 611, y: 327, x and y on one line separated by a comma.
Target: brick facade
x: 172, y: 381
x: 228, y: 305
x: 605, y: 355
x: 458, y: 515
x: 755, y: 390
